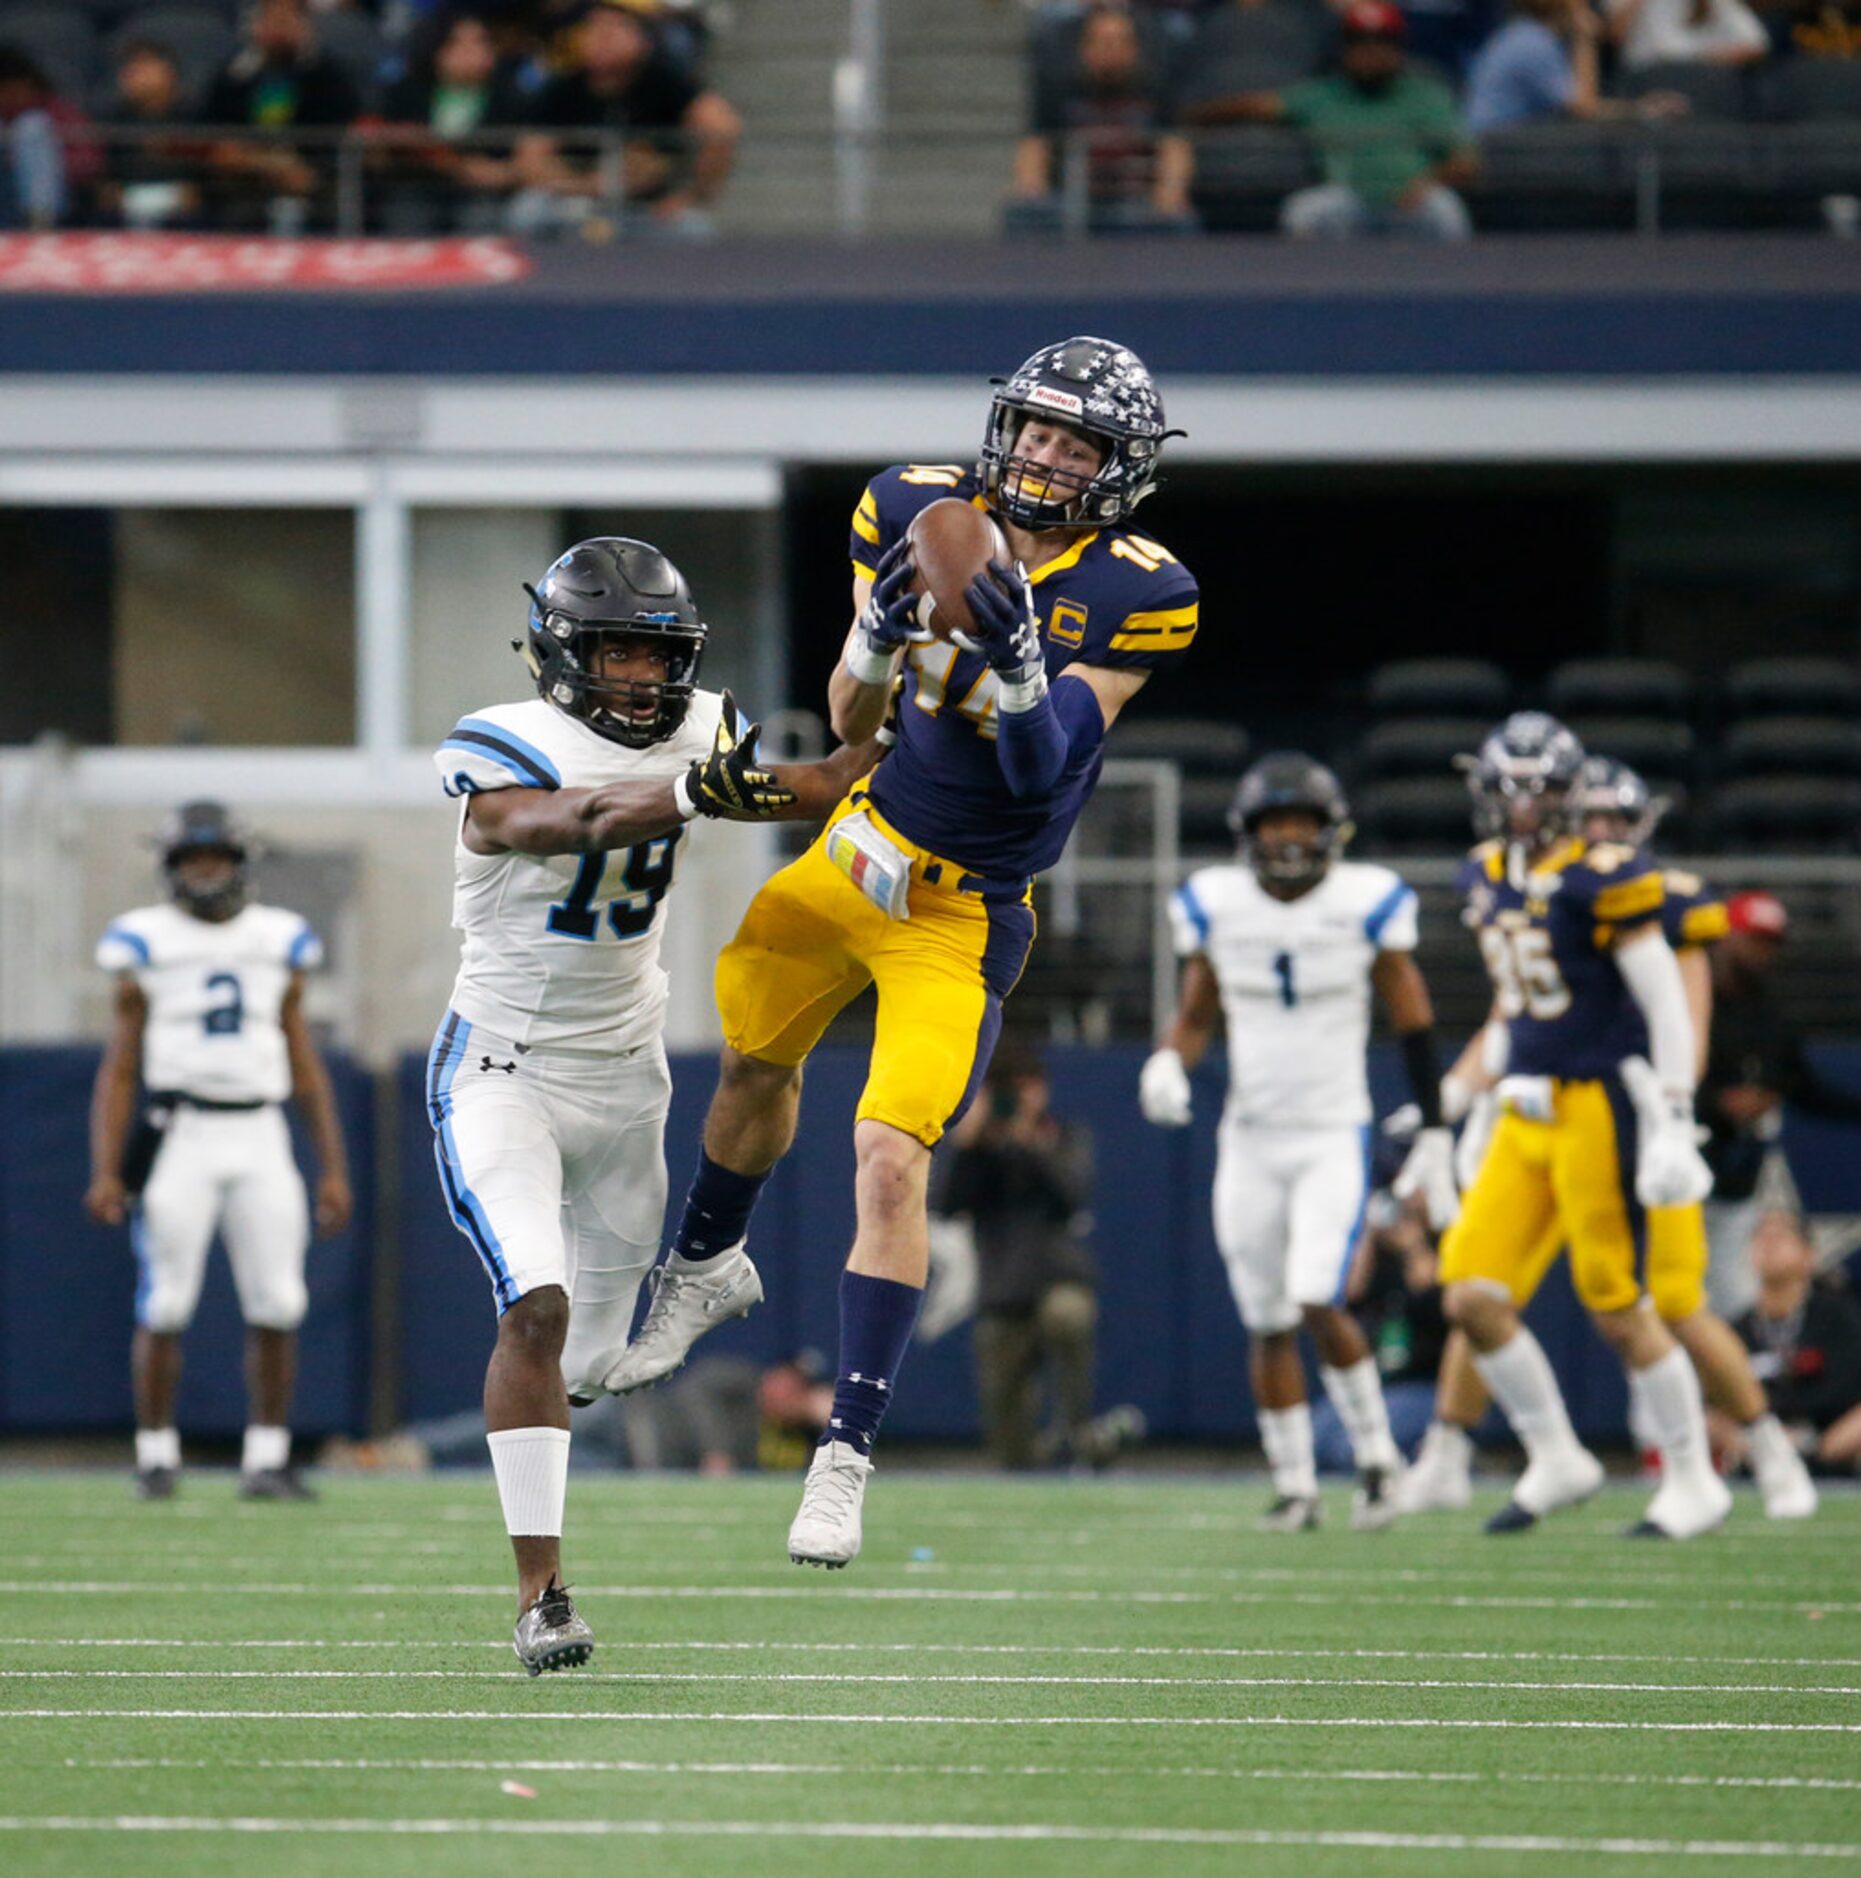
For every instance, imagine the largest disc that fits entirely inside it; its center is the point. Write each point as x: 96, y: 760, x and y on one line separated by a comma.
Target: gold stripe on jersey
x: 1632, y: 899
x: 1061, y: 562
x: 1167, y: 631
x: 866, y: 520
x: 1704, y: 925
x: 863, y: 572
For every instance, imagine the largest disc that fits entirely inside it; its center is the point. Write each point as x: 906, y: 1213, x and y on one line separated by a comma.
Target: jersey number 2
x: 227, y: 1019
x: 644, y: 874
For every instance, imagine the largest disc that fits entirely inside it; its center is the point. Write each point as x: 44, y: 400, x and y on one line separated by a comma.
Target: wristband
x: 682, y: 798
x: 1015, y: 695
x: 866, y: 663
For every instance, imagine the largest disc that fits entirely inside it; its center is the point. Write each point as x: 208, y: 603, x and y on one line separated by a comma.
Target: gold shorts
x: 811, y: 942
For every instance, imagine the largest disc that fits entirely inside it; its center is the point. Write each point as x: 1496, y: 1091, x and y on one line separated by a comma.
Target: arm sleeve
x: 1035, y: 747
x: 480, y: 754
x: 1652, y: 975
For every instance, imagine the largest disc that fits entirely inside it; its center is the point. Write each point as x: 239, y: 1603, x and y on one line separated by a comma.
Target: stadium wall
x: 400, y: 1321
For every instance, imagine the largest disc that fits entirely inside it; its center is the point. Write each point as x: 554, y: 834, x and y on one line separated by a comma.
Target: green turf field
x: 1051, y: 1677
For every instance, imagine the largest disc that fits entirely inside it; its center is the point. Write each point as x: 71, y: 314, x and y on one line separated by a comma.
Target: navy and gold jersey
x: 1547, y: 935
x: 1113, y: 598
x: 1692, y: 914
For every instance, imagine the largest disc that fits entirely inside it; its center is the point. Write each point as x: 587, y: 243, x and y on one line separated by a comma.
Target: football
x: 951, y: 542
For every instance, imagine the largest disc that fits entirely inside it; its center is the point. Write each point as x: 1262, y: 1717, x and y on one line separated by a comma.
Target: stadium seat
x: 1793, y: 687
x: 1656, y: 746
x: 354, y: 41
x: 1440, y: 688
x: 1257, y: 48
x: 1243, y: 174
x: 1793, y: 746
x: 1807, y: 91
x: 61, y: 40
x: 1712, y: 91
x: 201, y: 38
x: 1413, y: 815
x: 1203, y: 820
x: 1619, y: 688
x: 1561, y: 175
x: 1416, y: 746
x: 1811, y: 814
x: 1202, y: 746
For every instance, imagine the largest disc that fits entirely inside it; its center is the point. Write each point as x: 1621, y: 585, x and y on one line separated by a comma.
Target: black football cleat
x: 157, y: 1483
x: 275, y: 1483
x: 1645, y: 1529
x: 551, y: 1634
x: 1512, y: 1518
x: 1291, y: 1512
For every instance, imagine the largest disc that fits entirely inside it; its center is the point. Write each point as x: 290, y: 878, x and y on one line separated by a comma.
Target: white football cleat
x: 1441, y: 1479
x: 685, y: 1305
x: 1566, y: 1476
x: 1687, y: 1505
x: 1783, y: 1480
x: 1378, y: 1499
x: 826, y: 1531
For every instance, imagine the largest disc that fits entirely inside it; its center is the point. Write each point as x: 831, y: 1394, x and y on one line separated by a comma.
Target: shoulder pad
x: 1620, y: 885
x: 303, y: 950
x: 1141, y: 606
x: 894, y: 496
x: 124, y: 945
x: 483, y: 752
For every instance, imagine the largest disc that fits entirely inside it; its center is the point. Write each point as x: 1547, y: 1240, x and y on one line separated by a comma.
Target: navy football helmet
x: 1531, y: 758
x: 1608, y: 787
x: 1290, y: 780
x: 1097, y: 388
x: 616, y: 587
x: 205, y: 827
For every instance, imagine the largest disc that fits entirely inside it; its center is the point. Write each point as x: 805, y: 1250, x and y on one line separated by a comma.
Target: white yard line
x: 706, y: 1678
x: 759, y: 1717
x: 945, y: 1831
x: 973, y: 1770
x: 1224, y: 1651
x: 927, y: 1594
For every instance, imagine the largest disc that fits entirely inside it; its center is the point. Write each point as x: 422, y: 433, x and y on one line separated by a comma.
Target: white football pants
x: 553, y: 1166
x: 230, y: 1171
x: 1289, y: 1207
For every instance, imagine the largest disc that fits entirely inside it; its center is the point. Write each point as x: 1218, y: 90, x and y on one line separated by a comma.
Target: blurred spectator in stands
x: 1805, y: 1343
x: 1100, y: 133
x: 46, y: 160
x: 457, y: 88
x: 154, y: 181
x: 1394, y: 1289
x: 1392, y: 142
x: 1754, y: 1066
x: 1543, y: 63
x: 278, y: 80
x: 1818, y: 29
x: 1022, y: 1178
x: 680, y: 137
x: 1684, y: 32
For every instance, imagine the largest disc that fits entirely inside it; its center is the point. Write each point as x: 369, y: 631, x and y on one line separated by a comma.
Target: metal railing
x: 1628, y: 174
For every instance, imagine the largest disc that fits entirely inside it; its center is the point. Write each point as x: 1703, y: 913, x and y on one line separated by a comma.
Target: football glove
x: 1163, y: 1091
x: 728, y: 782
x: 888, y: 621
x: 1669, y: 1168
x: 1429, y: 1173
x: 1007, y: 634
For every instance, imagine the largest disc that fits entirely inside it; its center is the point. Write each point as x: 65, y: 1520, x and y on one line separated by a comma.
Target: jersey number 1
x: 1282, y: 970
x: 645, y: 873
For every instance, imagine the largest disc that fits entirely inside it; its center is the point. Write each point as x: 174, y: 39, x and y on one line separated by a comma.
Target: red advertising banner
x: 162, y: 263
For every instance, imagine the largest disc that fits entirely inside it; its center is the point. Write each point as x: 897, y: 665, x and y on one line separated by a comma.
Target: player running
x: 547, y: 1086
x: 1286, y: 946
x: 922, y: 882
x: 1612, y: 804
x: 1595, y: 1123
x: 208, y: 1011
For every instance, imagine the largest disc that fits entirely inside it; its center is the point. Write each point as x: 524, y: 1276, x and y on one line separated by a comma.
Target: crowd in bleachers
x: 531, y: 115
x: 1343, y: 117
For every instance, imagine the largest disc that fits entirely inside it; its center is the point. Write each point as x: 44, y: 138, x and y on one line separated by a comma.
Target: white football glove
x: 1163, y: 1091
x: 1429, y: 1171
x: 1669, y: 1168
x: 1475, y: 1136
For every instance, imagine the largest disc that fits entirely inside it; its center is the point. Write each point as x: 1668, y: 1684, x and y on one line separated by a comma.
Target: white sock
x: 157, y: 1447
x: 265, y: 1450
x: 1671, y: 1390
x: 1770, y: 1446
x: 1357, y: 1395
x: 1519, y: 1375
x: 1286, y: 1434
x: 532, y: 1466
x: 1447, y: 1448
x: 1641, y: 1428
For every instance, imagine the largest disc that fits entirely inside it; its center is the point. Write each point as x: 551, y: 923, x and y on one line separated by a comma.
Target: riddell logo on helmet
x: 1059, y: 400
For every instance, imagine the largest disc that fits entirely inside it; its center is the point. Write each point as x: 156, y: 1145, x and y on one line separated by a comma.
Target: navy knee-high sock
x: 877, y: 1316
x: 717, y: 1210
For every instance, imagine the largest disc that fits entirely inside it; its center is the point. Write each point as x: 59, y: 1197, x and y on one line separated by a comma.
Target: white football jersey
x: 214, y: 991
x: 1295, y: 984
x: 563, y: 949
